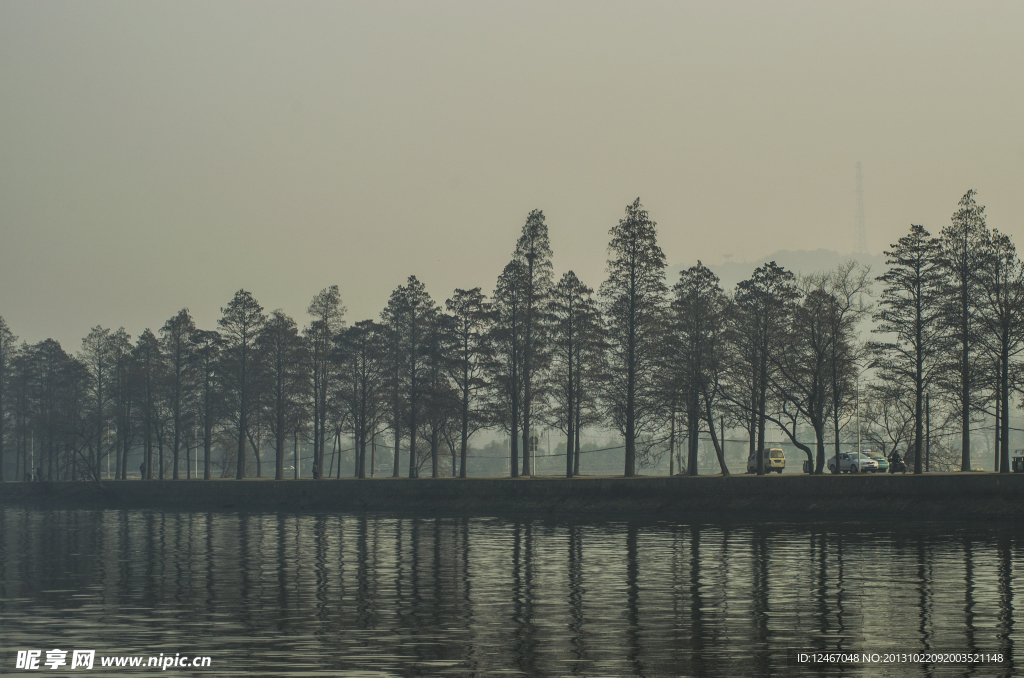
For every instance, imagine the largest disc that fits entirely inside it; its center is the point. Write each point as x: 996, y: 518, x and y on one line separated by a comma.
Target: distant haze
x: 164, y: 154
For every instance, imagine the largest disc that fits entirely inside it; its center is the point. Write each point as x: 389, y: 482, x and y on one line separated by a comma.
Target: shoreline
x: 948, y: 496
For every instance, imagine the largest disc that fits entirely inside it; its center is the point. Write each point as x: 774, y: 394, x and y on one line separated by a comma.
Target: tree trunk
x: 323, y: 434
x: 751, y: 423
x: 433, y: 451
x: 692, y: 443
x: 176, y: 444
x: 117, y: 457
x: 337, y: 437
x: 317, y: 378
x: 207, y: 444
x: 464, y: 448
x: 672, y: 443
x: 762, y: 404
x: 719, y: 448
x: 1004, y: 384
x: 965, y: 380
x: 631, y: 404
x: 124, y: 458
x: 576, y: 450
x: 527, y: 447
x: 819, y: 465
x: 279, y: 451
x: 240, y: 462
x: 412, y: 416
x: 361, y: 452
x: 148, y: 470
x: 398, y: 438
x: 996, y: 428
x: 258, y: 451
x: 918, y: 414
x: 835, y: 432
x: 514, y: 433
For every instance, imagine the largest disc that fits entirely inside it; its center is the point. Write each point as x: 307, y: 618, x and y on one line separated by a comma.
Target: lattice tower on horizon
x: 862, y: 234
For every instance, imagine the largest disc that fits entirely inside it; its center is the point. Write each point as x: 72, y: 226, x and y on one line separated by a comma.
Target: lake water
x: 355, y: 595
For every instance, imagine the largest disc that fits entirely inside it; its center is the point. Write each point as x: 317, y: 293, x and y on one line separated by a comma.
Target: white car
x: 848, y: 464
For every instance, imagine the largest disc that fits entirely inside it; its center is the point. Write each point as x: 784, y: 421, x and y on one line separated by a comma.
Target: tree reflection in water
x: 294, y: 594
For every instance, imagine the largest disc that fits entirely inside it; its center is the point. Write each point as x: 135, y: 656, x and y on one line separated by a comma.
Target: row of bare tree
x: 662, y: 367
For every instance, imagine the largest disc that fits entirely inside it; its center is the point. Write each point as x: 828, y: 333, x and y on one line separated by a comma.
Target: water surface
x: 298, y: 595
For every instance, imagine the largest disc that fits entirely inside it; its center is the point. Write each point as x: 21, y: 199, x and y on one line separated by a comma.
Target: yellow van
x: 774, y: 460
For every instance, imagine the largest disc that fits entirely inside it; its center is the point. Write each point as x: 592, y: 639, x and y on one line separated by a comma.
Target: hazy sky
x: 156, y: 155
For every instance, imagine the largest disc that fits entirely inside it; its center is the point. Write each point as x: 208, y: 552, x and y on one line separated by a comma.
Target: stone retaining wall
x: 968, y: 496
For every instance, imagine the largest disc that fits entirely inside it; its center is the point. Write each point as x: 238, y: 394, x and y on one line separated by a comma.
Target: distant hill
x: 797, y: 261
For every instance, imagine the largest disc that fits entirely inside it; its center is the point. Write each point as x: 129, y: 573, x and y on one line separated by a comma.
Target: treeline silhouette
x: 661, y: 366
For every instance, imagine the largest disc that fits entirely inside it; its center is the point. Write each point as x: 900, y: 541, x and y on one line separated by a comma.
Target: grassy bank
x: 956, y: 496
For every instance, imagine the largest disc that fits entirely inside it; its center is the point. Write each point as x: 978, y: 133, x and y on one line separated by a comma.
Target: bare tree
x: 149, y: 369
x: 962, y: 245
x: 123, y: 399
x: 393, y: 321
x: 533, y: 250
x: 469, y: 350
x: 848, y: 288
x: 573, y: 318
x: 176, y: 340
x: 287, y: 370
x: 98, y: 358
x: 22, y: 410
x: 1000, y: 284
x: 209, y: 392
x: 802, y: 375
x: 888, y: 412
x: 328, y: 315
x: 816, y: 376
x: 908, y: 311
x: 440, y: 399
x: 8, y: 347
x: 75, y: 458
x: 506, y: 369
x: 240, y: 323
x: 52, y: 405
x: 412, y: 310
x: 633, y: 299
x: 697, y: 324
x: 361, y: 349
x: 762, y: 304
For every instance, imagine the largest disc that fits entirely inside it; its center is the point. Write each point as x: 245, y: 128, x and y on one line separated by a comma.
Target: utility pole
x: 862, y: 236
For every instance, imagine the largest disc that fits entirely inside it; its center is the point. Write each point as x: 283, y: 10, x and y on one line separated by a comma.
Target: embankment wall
x: 956, y: 496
